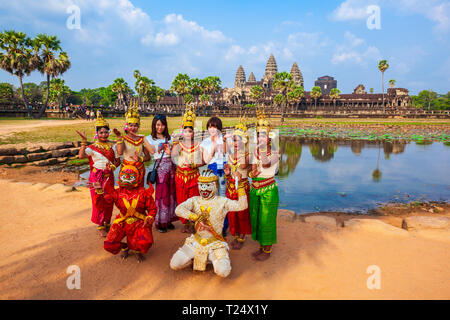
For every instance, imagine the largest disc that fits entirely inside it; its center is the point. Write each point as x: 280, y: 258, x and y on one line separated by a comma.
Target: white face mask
x: 207, y: 190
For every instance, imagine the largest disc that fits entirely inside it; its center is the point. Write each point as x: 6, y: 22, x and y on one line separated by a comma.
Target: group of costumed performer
x: 131, y: 146
x: 207, y: 212
x: 236, y: 172
x: 187, y: 156
x: 264, y: 197
x: 103, y: 160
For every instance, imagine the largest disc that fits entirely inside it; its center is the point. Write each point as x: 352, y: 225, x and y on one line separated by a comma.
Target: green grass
x: 67, y: 132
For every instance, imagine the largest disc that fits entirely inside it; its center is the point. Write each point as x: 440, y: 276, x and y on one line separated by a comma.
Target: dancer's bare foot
x: 236, y: 244
x: 188, y: 228
x: 124, y: 254
x: 265, y: 253
x: 103, y: 232
x: 140, y: 257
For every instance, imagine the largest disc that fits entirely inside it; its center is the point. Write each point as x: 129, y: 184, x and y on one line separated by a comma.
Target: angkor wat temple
x: 240, y: 94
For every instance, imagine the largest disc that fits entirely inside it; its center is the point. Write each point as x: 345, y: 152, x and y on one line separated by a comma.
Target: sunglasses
x: 160, y: 117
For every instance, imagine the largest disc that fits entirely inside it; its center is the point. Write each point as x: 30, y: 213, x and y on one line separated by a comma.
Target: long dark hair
x: 162, y: 118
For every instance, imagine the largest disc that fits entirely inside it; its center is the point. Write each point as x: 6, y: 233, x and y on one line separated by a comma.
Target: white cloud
x: 350, y: 10
x: 370, y: 55
x: 353, y: 40
x: 437, y: 11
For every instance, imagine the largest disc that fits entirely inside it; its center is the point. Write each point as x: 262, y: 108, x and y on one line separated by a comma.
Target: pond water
x: 355, y: 176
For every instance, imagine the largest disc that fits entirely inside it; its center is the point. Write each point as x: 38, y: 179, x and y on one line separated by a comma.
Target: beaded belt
x: 187, y: 174
x: 263, y: 183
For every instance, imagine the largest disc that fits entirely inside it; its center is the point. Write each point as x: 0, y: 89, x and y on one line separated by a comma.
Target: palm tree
x: 316, y: 93
x: 283, y: 83
x: 45, y: 57
x: 335, y: 94
x: 371, y: 90
x: 159, y: 94
x: 145, y: 87
x: 180, y: 85
x: 383, y: 66
x: 120, y: 86
x: 392, y: 82
x: 295, y: 95
x: 58, y: 92
x: 197, y: 87
x: 15, y: 58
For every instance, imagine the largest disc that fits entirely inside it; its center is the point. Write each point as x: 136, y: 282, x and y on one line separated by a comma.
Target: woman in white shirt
x: 159, y: 144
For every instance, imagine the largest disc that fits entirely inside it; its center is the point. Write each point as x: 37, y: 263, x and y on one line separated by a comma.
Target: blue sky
x: 203, y: 38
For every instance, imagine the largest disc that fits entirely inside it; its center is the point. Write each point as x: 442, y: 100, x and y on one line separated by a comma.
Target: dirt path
x: 46, y: 231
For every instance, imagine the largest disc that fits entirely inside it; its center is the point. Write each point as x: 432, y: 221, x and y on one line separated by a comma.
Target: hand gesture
x: 149, y: 220
x: 166, y: 148
x: 135, y: 156
x: 238, y: 175
x: 226, y: 169
x: 117, y: 132
x: 82, y: 135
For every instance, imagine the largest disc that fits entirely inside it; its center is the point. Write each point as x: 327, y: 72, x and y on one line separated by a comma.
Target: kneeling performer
x: 208, y: 212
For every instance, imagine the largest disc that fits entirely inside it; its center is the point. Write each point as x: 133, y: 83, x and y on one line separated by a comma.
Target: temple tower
x: 271, y: 70
x: 297, y: 75
x: 239, y: 82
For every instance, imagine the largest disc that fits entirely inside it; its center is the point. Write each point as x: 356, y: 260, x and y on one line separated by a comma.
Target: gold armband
x: 241, y: 192
x: 113, y: 167
x: 193, y: 217
x: 119, y: 140
x: 84, y: 143
x: 141, y: 159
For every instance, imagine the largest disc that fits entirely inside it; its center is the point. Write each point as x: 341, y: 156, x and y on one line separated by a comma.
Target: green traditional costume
x: 264, y: 196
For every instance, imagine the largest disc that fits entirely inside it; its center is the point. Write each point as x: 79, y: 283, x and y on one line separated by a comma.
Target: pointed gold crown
x: 241, y: 128
x: 189, y: 116
x: 100, y: 121
x: 207, y: 176
x: 132, y: 115
x: 261, y: 121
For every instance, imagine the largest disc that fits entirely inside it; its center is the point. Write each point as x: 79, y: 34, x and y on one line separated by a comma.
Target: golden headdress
x: 207, y: 176
x: 189, y: 116
x: 261, y: 121
x: 132, y: 115
x: 241, y: 128
x: 100, y: 121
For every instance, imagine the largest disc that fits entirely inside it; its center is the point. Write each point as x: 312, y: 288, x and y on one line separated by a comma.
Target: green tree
x: 316, y: 93
x: 58, y: 92
x: 335, y: 94
x: 15, y: 58
x: 383, y: 66
x: 180, y: 85
x: 283, y: 83
x: 6, y: 92
x: 295, y: 95
x: 121, y: 88
x: 392, y: 82
x: 50, y: 60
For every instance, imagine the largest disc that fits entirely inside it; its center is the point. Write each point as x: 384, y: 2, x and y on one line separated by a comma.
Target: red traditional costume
x: 187, y: 160
x: 137, y: 211
x: 102, y: 160
x: 239, y: 221
x: 132, y: 147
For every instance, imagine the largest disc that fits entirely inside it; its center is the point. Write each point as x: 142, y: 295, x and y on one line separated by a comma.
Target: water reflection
x: 353, y: 175
x: 291, y: 151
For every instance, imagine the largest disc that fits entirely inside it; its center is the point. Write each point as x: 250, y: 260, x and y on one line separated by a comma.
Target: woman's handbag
x: 152, y: 175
